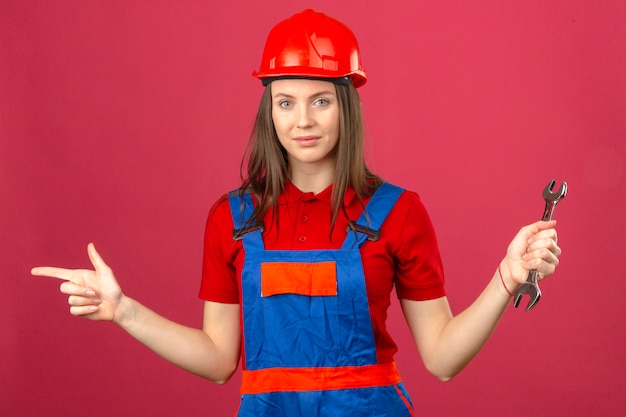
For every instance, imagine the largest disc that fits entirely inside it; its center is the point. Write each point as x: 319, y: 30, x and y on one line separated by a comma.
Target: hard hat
x: 311, y: 45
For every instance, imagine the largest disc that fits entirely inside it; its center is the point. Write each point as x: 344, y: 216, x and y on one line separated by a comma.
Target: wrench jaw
x: 532, y: 290
x: 530, y: 287
x: 547, y: 192
x: 553, y: 197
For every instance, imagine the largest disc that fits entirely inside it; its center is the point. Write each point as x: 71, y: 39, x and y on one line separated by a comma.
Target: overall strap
x: 371, y: 220
x: 241, y: 208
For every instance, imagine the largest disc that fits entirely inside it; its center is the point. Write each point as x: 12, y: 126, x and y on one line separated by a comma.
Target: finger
x: 540, y: 225
x: 544, y: 234
x: 71, y: 288
x: 541, y: 254
x: 77, y: 301
x: 546, y: 224
x: 83, y: 310
x: 52, y: 272
x: 546, y: 269
x: 548, y: 243
x: 96, y: 259
x: 541, y: 260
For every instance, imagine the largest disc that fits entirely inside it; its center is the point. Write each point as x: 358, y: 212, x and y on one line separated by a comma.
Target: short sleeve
x: 219, y: 276
x: 419, y: 271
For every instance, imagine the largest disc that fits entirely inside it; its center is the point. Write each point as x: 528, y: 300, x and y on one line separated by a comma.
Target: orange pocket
x: 298, y: 278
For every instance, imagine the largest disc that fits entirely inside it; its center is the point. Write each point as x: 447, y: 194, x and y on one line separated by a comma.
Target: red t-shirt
x: 406, y: 254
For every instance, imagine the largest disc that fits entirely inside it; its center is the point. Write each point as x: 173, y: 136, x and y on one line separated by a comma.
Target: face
x: 306, y: 119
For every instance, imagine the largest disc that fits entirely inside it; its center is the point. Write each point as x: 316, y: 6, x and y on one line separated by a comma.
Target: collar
x: 292, y: 194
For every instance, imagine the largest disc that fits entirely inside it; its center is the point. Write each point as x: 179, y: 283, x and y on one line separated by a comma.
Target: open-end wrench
x: 531, y: 285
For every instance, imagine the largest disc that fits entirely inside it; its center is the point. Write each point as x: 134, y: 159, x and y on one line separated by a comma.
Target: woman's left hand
x: 534, y: 247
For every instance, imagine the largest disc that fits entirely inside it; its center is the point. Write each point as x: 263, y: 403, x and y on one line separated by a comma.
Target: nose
x: 305, y: 118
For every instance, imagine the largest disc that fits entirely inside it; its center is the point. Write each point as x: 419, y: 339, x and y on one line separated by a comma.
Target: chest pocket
x: 309, y: 279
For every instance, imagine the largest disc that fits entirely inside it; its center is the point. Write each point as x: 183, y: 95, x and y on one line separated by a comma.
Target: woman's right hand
x: 93, y: 294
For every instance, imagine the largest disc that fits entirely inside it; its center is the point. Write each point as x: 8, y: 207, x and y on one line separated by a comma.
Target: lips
x: 307, y: 140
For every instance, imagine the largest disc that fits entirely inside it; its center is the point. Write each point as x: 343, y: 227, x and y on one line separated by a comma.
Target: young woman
x: 300, y: 262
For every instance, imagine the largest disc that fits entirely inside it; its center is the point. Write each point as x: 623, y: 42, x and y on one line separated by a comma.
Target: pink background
x: 121, y: 122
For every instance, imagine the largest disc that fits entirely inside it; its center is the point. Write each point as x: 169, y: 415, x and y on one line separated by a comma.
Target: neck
x: 312, y: 179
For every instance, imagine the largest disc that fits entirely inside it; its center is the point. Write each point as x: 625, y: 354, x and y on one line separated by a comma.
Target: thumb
x: 95, y: 258
x: 536, y: 227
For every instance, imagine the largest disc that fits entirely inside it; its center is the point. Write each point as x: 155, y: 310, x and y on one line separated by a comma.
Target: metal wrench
x: 531, y: 285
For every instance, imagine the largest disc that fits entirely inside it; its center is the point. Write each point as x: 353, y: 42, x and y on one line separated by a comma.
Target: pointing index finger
x: 52, y: 272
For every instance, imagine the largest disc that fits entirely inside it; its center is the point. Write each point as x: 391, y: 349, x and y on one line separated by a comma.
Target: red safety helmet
x: 311, y: 45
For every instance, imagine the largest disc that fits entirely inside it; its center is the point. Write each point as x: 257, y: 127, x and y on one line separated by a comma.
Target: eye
x: 285, y: 104
x: 322, y: 102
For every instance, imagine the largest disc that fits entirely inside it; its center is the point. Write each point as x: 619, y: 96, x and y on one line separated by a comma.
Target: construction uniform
x: 310, y: 347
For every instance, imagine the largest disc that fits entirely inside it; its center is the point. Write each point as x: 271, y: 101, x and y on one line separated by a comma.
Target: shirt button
x: 302, y: 239
x: 305, y: 218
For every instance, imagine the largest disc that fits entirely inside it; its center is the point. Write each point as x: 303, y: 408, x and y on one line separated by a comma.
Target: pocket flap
x: 312, y: 279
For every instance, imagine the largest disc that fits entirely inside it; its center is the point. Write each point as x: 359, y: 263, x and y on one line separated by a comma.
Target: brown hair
x: 266, y: 159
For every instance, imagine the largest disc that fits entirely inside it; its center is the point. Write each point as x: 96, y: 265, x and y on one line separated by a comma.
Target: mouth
x: 307, y: 140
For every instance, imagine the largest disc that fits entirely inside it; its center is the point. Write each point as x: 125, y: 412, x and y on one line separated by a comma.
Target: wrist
x: 124, y: 312
x: 504, y: 276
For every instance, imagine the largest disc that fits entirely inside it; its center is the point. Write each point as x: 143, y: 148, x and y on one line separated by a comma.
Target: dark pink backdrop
x: 121, y: 122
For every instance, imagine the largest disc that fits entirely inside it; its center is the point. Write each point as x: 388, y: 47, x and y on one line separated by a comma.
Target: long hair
x: 267, y: 163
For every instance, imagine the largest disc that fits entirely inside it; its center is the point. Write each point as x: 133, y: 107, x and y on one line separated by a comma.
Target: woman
x: 299, y: 263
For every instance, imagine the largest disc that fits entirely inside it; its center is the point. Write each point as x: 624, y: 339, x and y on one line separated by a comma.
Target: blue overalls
x: 308, y: 339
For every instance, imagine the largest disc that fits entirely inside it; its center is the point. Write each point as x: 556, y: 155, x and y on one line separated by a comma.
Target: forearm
x: 188, y: 348
x: 465, y: 334
x: 446, y: 343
